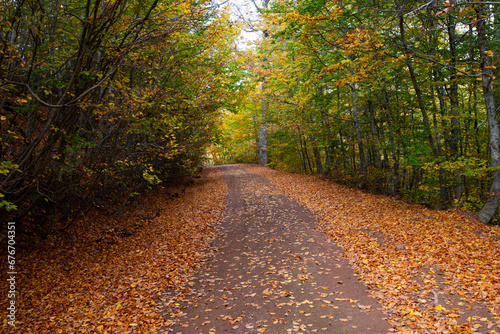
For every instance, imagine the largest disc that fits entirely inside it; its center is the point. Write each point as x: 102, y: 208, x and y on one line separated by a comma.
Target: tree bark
x: 263, y: 139
x: 416, y: 86
x: 491, y: 205
x: 453, y: 94
x: 359, y: 137
x: 329, y: 143
x: 262, y: 157
x: 317, y: 155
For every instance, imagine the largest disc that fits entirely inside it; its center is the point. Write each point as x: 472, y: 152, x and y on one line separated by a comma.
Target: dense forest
x: 111, y: 109
x: 396, y: 97
x: 101, y: 100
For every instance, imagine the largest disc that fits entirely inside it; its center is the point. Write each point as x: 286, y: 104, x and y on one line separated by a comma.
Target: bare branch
x: 36, y: 97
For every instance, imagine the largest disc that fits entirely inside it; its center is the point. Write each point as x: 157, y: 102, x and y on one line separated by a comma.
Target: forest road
x: 272, y: 272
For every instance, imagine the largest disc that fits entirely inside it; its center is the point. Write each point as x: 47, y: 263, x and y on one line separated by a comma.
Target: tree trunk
x: 416, y: 86
x: 262, y: 158
x: 395, y: 181
x: 453, y: 94
x: 328, y: 149
x: 359, y: 137
x: 375, y: 138
x: 491, y: 205
x: 302, y: 154
x: 306, y: 153
x: 263, y: 139
x: 299, y: 152
x: 317, y: 155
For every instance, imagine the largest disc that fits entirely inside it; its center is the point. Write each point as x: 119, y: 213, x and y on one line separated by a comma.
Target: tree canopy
x: 102, y: 99
x: 397, y: 97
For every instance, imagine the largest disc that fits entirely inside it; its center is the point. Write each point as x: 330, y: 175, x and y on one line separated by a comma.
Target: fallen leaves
x: 429, y: 269
x: 117, y: 287
x: 442, y: 273
x: 273, y: 272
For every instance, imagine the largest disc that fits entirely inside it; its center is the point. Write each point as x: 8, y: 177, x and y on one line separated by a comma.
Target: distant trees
x: 100, y: 99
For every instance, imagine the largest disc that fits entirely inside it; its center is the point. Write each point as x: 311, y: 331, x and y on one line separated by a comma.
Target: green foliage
x: 236, y: 142
x: 474, y: 170
x: 6, y: 204
x: 5, y: 168
x: 102, y: 99
x: 375, y: 97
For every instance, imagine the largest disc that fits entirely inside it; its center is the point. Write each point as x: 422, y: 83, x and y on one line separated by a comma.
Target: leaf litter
x: 107, y: 282
x: 433, y: 271
x: 272, y: 272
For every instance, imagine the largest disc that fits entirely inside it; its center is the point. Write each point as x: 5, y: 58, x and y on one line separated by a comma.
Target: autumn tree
x: 386, y: 95
x: 102, y: 99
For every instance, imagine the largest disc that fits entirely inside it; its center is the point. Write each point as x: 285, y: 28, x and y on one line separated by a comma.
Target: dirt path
x: 272, y: 272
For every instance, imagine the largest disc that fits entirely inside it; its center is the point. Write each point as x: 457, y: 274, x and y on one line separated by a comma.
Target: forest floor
x: 272, y: 272
x: 105, y: 273
x: 247, y: 249
x: 431, y: 271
